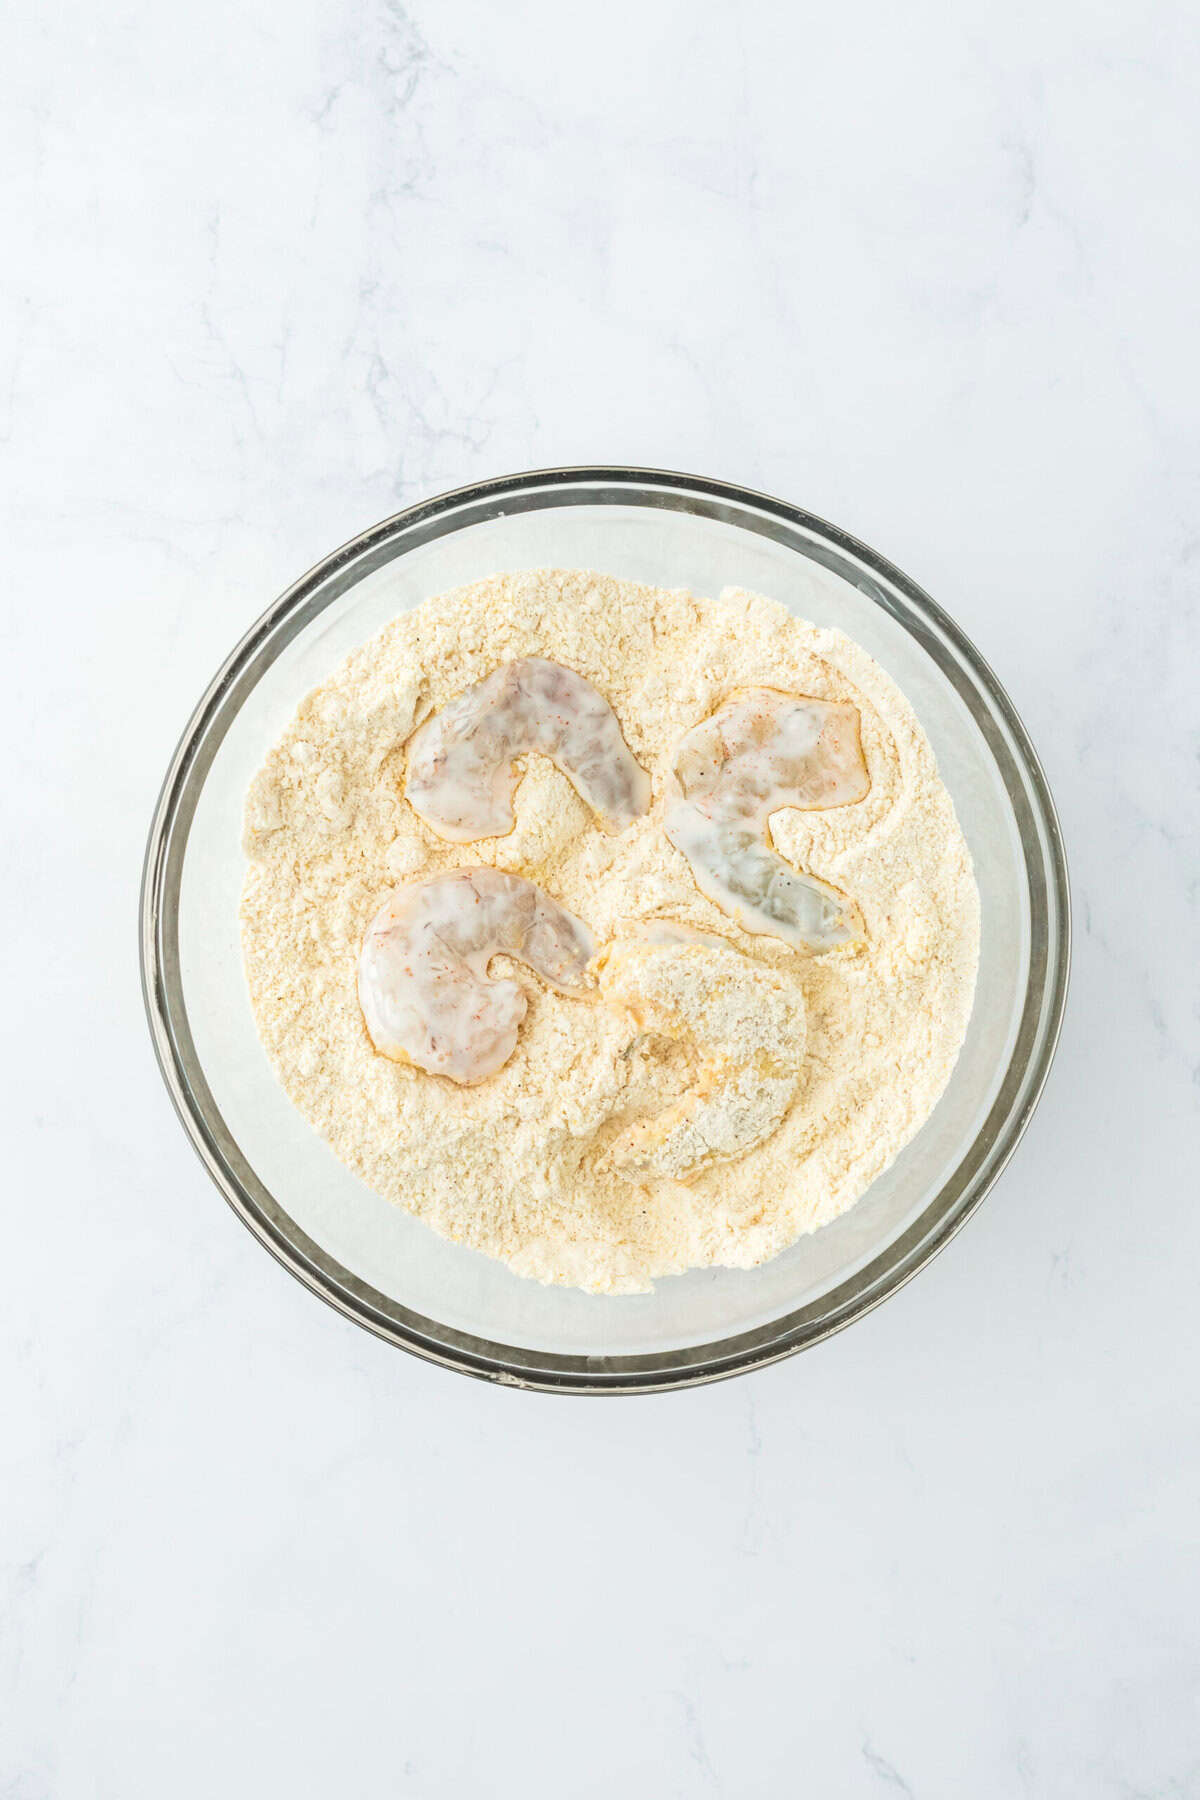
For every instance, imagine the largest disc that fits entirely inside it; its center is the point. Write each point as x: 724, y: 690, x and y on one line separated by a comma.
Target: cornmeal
x: 525, y: 1165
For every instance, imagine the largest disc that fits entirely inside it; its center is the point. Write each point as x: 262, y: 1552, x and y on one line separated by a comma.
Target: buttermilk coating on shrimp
x: 423, y: 984
x: 760, y: 752
x: 461, y: 763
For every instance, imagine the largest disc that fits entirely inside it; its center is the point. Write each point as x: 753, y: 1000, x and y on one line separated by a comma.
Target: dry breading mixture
x: 521, y: 1166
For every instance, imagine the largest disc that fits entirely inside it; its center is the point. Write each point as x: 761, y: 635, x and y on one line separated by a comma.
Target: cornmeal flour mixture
x: 845, y: 1052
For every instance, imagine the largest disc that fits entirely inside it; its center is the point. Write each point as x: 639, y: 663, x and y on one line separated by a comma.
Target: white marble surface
x: 272, y: 271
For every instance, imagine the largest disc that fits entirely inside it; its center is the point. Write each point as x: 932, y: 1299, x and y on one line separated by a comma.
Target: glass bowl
x: 374, y: 1261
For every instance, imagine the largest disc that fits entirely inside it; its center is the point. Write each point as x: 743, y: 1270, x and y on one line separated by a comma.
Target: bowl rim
x: 967, y: 1185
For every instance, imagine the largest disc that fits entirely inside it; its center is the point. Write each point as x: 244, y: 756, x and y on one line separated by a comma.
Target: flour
x: 746, y: 1030
x: 521, y: 1167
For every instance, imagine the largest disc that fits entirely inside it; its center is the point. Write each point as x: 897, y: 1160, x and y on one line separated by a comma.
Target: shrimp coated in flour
x: 761, y: 751
x: 423, y: 984
x: 461, y: 777
x: 746, y: 1028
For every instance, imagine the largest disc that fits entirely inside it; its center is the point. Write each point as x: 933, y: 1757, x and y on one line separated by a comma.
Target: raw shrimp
x: 461, y: 777
x: 746, y: 1026
x: 422, y: 972
x: 761, y: 751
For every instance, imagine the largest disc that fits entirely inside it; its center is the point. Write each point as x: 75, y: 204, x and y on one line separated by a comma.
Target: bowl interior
x: 376, y: 1259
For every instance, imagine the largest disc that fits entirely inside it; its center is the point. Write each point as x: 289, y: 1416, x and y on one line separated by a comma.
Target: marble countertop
x: 273, y: 272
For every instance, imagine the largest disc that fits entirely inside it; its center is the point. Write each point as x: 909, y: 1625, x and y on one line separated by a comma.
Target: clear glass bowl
x: 375, y: 1262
